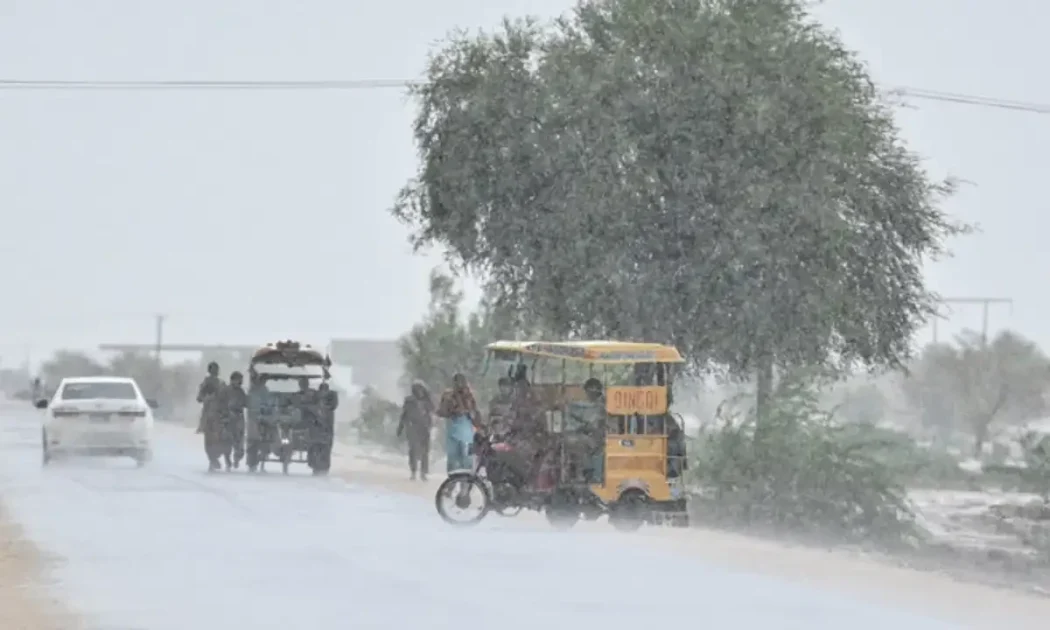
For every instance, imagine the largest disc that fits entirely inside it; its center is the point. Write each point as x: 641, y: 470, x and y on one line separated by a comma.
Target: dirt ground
x: 23, y: 602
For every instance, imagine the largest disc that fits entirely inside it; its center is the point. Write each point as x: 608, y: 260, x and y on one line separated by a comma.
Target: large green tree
x: 720, y: 174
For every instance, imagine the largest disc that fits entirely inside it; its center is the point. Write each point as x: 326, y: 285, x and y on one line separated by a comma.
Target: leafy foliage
x: 377, y: 419
x: 718, y: 174
x: 800, y: 471
x: 915, y: 465
x: 971, y: 385
x: 67, y: 364
x: 864, y: 404
x: 448, y: 341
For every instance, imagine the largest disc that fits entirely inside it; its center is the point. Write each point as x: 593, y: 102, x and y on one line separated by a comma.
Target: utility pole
x: 157, y: 347
x: 985, y: 302
x: 159, y: 340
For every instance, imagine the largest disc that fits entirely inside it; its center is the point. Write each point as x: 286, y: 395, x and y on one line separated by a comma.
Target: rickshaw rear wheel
x: 628, y: 514
x: 561, y: 518
x: 449, y: 485
x: 508, y: 510
x: 562, y: 511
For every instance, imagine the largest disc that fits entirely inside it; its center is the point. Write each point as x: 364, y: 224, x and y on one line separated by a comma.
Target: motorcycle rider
x: 501, y: 407
x: 528, y: 431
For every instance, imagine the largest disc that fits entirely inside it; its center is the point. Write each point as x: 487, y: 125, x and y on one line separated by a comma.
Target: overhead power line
x: 351, y: 84
x: 386, y: 84
x: 968, y: 99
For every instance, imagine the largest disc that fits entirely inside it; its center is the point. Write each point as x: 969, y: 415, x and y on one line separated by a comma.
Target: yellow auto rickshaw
x: 610, y: 443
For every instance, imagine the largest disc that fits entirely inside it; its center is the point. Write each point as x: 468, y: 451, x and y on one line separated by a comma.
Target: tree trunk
x: 980, y: 436
x: 763, y: 388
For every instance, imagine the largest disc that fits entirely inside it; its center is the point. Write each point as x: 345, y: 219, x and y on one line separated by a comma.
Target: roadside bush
x: 797, y: 471
x: 913, y: 464
x: 377, y: 420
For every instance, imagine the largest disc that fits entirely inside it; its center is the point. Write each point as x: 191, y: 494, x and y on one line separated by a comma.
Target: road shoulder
x: 863, y: 576
x: 24, y: 600
x: 858, y: 574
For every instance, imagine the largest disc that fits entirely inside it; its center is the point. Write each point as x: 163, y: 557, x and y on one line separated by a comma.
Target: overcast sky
x: 117, y: 205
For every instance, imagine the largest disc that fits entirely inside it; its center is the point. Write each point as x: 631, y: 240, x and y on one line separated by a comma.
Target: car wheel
x: 143, y: 457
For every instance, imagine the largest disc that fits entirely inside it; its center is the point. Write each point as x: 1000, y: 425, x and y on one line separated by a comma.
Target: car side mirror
x: 40, y: 404
x: 152, y: 403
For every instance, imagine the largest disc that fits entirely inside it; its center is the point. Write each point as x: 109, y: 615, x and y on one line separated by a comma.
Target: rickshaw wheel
x: 448, y: 486
x: 562, y: 509
x: 286, y: 457
x: 561, y: 518
x: 508, y: 510
x: 628, y: 514
x: 506, y: 500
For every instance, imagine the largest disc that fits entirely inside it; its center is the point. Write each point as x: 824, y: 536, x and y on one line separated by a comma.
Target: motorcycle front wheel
x: 462, y: 499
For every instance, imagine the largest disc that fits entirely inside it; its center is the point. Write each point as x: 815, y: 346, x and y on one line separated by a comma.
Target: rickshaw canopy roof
x: 280, y: 371
x: 620, y: 352
x: 290, y: 354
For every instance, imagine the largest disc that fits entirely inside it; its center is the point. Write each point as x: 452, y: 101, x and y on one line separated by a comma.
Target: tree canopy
x: 719, y: 174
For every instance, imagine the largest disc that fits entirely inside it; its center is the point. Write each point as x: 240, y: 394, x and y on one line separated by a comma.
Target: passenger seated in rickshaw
x: 676, y: 448
x: 584, y: 435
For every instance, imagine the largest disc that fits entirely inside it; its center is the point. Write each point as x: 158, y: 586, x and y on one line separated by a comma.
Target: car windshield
x: 118, y: 390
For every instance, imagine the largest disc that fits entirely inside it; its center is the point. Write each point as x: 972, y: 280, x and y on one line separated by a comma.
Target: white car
x: 98, y: 415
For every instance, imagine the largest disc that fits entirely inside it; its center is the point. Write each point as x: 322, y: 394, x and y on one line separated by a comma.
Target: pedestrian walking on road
x: 233, y: 403
x: 417, y: 420
x: 460, y: 409
x: 211, y: 415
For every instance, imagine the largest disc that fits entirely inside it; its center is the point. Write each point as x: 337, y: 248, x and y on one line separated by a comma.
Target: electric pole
x: 985, y: 302
x: 159, y: 340
x: 158, y: 345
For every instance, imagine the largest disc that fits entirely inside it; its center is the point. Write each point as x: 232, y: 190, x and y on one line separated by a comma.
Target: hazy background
x: 117, y: 205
